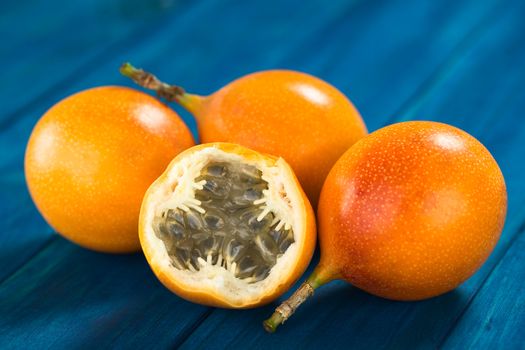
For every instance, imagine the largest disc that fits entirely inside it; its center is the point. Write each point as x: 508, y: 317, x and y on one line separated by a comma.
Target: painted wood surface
x: 457, y: 62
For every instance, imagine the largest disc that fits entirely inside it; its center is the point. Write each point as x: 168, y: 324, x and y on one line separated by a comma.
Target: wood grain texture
x: 448, y: 61
x: 45, y: 44
x: 40, y: 78
x: 192, y: 50
x: 69, y: 297
x: 450, y: 98
x: 495, y: 317
x: 128, y: 330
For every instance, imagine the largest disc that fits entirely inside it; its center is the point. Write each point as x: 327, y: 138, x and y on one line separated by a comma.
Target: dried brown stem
x: 288, y: 307
x: 150, y: 81
x: 319, y: 277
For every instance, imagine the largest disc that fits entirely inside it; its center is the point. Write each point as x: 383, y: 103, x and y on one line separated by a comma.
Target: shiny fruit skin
x: 289, y: 114
x: 411, y: 211
x: 215, y: 299
x: 91, y: 158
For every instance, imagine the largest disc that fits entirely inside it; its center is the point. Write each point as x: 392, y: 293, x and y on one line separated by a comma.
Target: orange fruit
x: 227, y: 226
x: 92, y: 156
x: 408, y: 213
x: 285, y: 113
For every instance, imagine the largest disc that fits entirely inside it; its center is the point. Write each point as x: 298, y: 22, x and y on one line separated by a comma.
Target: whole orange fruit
x: 285, y: 113
x: 409, y: 212
x: 227, y: 226
x: 91, y: 158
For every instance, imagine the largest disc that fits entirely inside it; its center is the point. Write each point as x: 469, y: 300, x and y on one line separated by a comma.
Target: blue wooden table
x: 459, y: 62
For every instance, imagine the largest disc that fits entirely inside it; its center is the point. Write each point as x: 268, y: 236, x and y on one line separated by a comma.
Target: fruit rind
x: 412, y: 210
x: 91, y: 157
x: 209, y: 284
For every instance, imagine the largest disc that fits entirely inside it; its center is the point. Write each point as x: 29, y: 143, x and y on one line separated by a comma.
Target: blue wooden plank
x: 382, y: 63
x: 41, y: 52
x: 217, y: 61
x: 158, y: 310
x: 483, y: 93
x: 242, y: 320
x: 23, y: 231
x: 45, y: 42
x: 462, y: 94
x: 500, y: 74
x: 189, y: 53
x: 182, y: 34
x: 69, y: 297
x: 495, y: 318
x: 24, y: 219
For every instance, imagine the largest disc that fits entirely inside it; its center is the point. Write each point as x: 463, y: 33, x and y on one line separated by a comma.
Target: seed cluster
x: 230, y: 233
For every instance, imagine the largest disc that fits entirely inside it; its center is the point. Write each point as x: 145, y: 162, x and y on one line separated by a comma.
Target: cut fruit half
x: 227, y: 226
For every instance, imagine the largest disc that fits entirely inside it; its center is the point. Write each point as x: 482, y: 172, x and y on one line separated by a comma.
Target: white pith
x: 282, y: 197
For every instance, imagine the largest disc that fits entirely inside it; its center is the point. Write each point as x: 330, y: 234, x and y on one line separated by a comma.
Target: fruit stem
x: 288, y: 307
x: 171, y: 93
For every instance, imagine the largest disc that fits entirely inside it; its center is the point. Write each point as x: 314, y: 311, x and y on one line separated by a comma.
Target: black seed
x: 261, y: 273
x: 203, y: 196
x: 194, y: 258
x: 239, y: 203
x: 286, y: 242
x: 263, y: 225
x: 159, y: 227
x: 249, y: 214
x: 176, y: 230
x: 171, y: 245
x: 243, y: 233
x: 194, y: 220
x: 213, y: 221
x: 217, y: 188
x: 228, y: 226
x: 277, y: 235
x: 250, y: 174
x: 199, y: 237
x: 237, y: 196
x: 216, y: 170
x: 185, y: 244
x: 207, y: 245
x: 232, y: 250
x: 177, y: 262
x: 252, y: 194
x: 267, y: 247
x: 183, y: 255
x: 246, y: 266
x: 175, y: 215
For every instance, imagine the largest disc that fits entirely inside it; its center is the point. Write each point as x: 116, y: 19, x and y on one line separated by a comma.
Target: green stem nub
x: 151, y: 82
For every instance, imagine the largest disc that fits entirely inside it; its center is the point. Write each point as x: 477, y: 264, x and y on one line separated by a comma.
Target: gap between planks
x: 91, y: 66
x: 444, y: 68
x: 468, y: 40
x: 499, y: 260
x: 134, y: 37
x: 440, y: 73
x: 43, y: 246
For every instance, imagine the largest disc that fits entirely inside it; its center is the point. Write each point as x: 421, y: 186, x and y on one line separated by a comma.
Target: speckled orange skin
x: 91, y: 158
x: 215, y: 299
x: 411, y: 211
x: 285, y: 113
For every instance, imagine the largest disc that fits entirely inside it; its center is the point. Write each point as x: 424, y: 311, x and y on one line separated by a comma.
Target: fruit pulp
x: 230, y: 228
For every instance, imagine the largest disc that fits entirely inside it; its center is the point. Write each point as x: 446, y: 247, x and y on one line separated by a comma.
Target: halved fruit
x: 227, y: 226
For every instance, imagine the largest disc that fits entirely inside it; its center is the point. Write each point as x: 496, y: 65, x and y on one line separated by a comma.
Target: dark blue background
x: 459, y: 62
